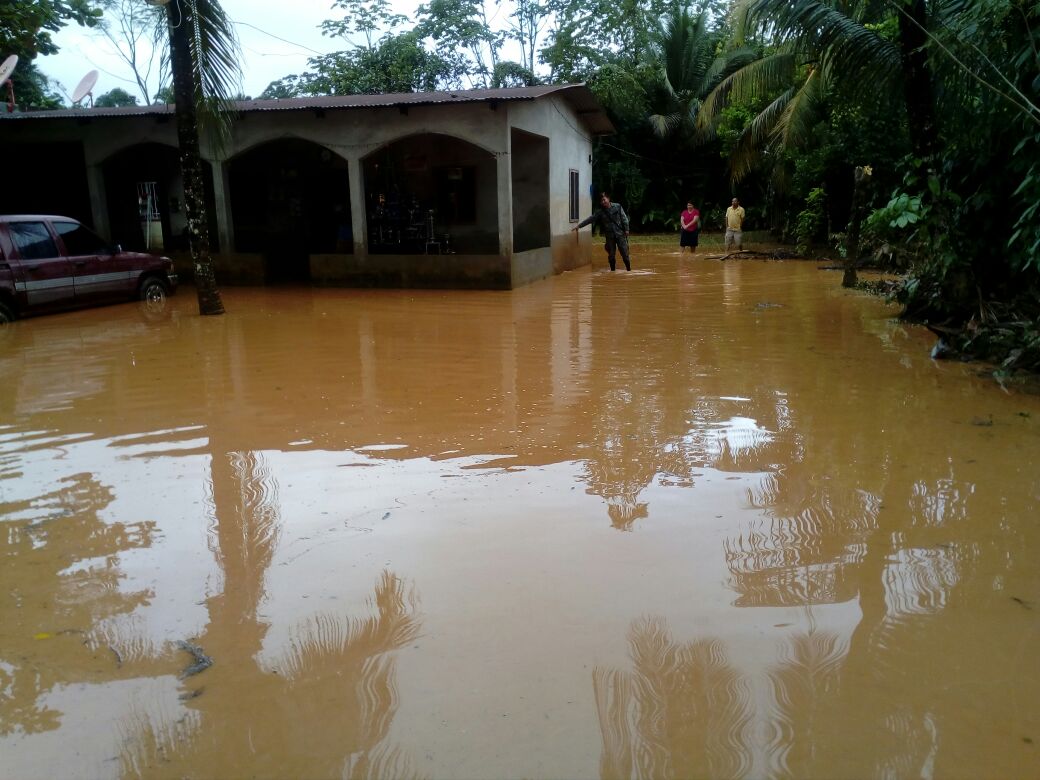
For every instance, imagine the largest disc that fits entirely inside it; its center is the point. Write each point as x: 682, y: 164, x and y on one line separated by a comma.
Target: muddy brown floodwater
x: 701, y: 520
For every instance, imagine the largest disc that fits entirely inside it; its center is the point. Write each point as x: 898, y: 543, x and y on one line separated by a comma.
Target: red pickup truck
x: 49, y: 263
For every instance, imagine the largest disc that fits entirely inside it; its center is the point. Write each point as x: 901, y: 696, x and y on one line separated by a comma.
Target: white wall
x: 570, y: 147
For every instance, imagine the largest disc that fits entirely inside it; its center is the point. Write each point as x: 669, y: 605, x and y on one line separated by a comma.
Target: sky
x: 265, y: 57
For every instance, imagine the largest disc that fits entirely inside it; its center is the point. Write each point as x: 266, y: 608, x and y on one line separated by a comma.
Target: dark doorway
x: 431, y: 193
x: 145, y: 190
x: 529, y: 156
x: 290, y: 199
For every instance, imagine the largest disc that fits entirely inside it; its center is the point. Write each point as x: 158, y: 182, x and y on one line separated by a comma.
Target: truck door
x: 44, y: 276
x: 99, y: 273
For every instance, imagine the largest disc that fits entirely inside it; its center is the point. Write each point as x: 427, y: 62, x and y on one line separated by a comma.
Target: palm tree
x: 204, y: 59
x: 689, y: 67
x: 822, y: 46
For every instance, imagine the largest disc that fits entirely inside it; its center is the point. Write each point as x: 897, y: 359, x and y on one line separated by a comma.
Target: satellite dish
x: 5, y: 78
x: 83, y: 88
x: 8, y: 68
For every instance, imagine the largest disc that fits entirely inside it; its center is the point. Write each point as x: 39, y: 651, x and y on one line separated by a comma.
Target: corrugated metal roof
x: 578, y: 95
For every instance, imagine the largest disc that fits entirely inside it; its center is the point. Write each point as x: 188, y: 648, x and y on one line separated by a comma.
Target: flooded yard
x: 701, y: 520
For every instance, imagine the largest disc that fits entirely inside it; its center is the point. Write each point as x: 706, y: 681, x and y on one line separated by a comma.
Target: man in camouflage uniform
x: 613, y: 222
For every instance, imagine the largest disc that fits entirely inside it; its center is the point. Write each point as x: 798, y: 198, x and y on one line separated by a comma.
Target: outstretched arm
x: 587, y: 221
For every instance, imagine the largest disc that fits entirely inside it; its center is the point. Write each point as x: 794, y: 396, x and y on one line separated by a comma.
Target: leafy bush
x: 811, y: 223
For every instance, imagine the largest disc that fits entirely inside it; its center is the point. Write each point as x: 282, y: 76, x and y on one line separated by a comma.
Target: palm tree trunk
x: 184, y: 91
x: 860, y: 178
x: 917, y: 79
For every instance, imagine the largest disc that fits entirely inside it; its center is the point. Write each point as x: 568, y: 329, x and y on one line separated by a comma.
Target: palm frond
x: 664, y: 124
x: 859, y: 52
x: 216, y: 57
x: 756, y: 79
x: 726, y: 65
x: 799, y: 115
x: 756, y: 135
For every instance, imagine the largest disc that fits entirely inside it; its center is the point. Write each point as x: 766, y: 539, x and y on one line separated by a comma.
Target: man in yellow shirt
x: 734, y: 226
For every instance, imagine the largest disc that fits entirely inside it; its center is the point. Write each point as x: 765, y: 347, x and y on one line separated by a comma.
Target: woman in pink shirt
x: 691, y: 229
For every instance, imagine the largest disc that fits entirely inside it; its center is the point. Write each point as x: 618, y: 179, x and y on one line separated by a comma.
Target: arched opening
x: 290, y: 199
x: 431, y: 193
x: 144, y: 189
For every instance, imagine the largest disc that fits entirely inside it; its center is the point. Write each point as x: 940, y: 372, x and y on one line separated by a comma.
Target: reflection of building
x: 474, y: 188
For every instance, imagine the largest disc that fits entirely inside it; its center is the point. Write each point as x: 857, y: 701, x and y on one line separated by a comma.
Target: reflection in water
x: 685, y: 711
x: 322, y: 709
x: 803, y: 685
x: 59, y: 575
x: 681, y: 712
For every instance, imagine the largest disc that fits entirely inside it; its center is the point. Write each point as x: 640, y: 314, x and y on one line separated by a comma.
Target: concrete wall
x: 459, y: 272
x: 354, y: 134
x: 570, y: 148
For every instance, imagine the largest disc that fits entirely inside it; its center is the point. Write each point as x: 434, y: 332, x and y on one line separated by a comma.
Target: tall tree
x: 204, y: 59
x: 585, y: 35
x: 526, y: 23
x: 815, y: 47
x: 685, y: 52
x: 459, y: 26
x: 397, y: 63
x: 115, y: 98
x: 135, y: 31
x: 367, y: 18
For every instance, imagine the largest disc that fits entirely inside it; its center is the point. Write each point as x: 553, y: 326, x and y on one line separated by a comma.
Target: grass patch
x: 712, y: 243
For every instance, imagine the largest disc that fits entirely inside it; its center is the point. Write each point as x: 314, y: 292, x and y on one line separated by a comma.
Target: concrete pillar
x: 98, y: 200
x: 358, y: 217
x: 505, y: 205
x: 222, y: 201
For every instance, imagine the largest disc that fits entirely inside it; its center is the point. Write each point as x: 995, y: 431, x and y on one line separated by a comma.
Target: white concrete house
x: 475, y: 188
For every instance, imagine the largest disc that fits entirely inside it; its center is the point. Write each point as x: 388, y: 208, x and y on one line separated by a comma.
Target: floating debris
x: 202, y: 661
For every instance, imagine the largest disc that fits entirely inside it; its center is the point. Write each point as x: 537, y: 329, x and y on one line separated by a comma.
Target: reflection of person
x: 690, y: 220
x: 613, y: 221
x: 735, y: 226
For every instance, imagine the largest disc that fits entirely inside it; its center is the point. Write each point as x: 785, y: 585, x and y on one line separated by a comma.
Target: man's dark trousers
x: 617, y: 243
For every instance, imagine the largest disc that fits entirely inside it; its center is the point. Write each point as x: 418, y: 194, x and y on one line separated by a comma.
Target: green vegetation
x: 115, y: 98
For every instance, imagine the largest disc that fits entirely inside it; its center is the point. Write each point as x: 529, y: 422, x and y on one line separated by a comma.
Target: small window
x: 78, y: 240
x: 574, y: 196
x: 33, y: 240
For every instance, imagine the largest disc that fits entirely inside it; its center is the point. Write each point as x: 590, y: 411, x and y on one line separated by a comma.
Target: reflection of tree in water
x: 853, y: 522
x: 681, y: 712
x: 685, y: 712
x: 669, y: 435
x: 321, y: 710
x: 66, y: 580
x: 804, y: 685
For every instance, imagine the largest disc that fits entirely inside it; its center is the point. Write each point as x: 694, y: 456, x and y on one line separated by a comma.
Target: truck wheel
x: 6, y: 314
x: 153, y: 291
